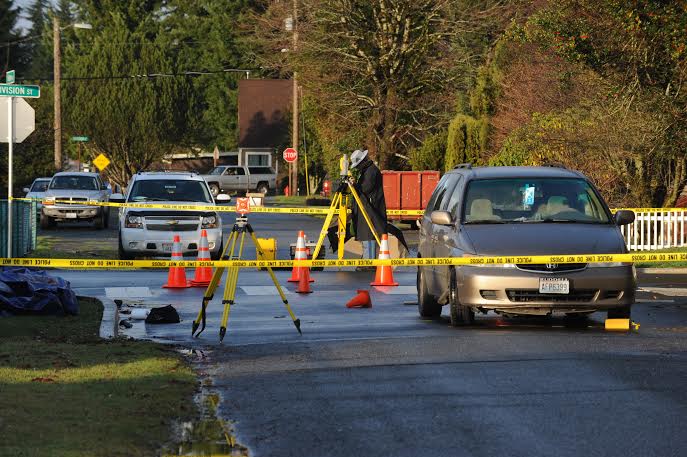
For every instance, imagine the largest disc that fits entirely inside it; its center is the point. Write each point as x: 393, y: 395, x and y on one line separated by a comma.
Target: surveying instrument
x: 236, y: 239
x: 339, y: 207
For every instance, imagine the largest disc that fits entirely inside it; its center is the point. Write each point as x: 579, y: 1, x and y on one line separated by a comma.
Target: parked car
x: 512, y: 211
x: 236, y: 178
x: 37, y: 190
x: 150, y: 232
x: 80, y: 188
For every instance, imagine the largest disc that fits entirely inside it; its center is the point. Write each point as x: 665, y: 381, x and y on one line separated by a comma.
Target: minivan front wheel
x: 460, y: 315
x: 426, y: 304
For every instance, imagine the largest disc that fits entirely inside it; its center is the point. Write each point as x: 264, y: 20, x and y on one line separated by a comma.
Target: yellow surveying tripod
x: 237, y: 236
x: 339, y: 206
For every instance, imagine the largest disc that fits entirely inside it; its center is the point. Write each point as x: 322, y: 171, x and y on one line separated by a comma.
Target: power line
x: 189, y: 73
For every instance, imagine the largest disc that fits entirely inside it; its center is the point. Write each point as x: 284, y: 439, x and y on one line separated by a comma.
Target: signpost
x: 9, y: 77
x: 291, y: 155
x: 20, y: 120
x: 80, y: 140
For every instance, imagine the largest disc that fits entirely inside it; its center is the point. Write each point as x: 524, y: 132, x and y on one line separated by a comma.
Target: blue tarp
x: 25, y: 291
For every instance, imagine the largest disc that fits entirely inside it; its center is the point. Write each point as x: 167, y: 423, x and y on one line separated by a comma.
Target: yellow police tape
x: 112, y: 264
x: 215, y: 208
x: 282, y: 210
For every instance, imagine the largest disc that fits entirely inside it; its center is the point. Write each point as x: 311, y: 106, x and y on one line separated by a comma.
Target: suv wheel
x: 47, y: 222
x: 619, y: 313
x: 426, y: 304
x: 123, y: 255
x: 214, y: 189
x: 101, y: 220
x: 460, y: 315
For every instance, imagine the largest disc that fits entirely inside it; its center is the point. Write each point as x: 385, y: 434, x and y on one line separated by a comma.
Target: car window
x: 179, y: 190
x: 451, y: 186
x: 217, y: 170
x: 39, y: 186
x: 261, y: 170
x: 74, y: 182
x: 437, y: 194
x: 239, y: 171
x: 540, y: 200
x: 453, y: 201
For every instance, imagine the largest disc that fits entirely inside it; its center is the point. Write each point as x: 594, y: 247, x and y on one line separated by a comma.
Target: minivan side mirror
x: 26, y: 190
x: 441, y: 218
x: 624, y: 217
x: 117, y: 198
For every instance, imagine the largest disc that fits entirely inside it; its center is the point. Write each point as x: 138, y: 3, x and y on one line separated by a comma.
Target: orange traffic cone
x: 177, y: 275
x: 300, y: 255
x: 385, y: 274
x: 362, y: 300
x: 203, y: 275
x: 304, y: 282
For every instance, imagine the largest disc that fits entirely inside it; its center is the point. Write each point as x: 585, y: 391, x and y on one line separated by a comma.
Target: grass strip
x: 66, y: 392
x: 662, y: 264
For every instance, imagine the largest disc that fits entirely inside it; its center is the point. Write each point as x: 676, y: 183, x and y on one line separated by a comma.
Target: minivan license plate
x: 554, y: 286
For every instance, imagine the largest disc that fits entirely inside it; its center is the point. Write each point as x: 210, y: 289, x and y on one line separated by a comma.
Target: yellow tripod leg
x: 362, y: 210
x: 343, y: 222
x: 230, y: 292
x: 214, y: 282
x: 296, y: 321
x: 333, y: 208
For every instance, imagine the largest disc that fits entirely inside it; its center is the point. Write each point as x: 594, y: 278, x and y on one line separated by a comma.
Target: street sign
x: 24, y: 120
x: 290, y: 155
x: 9, y: 77
x: 14, y: 90
x: 101, y: 162
x: 80, y: 139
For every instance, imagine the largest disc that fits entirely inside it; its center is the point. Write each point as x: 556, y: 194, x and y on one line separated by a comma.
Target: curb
x: 669, y: 271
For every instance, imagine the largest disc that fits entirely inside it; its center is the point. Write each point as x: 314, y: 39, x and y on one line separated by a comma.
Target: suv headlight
x: 209, y: 222
x: 133, y: 222
x: 49, y: 200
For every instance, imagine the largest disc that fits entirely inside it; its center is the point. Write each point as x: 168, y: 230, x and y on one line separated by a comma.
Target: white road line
x: 264, y: 290
x: 667, y: 291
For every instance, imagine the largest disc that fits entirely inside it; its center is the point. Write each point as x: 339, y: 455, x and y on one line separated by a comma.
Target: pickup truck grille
x: 72, y: 199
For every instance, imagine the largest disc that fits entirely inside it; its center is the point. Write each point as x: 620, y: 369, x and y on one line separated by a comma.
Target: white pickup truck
x: 233, y: 178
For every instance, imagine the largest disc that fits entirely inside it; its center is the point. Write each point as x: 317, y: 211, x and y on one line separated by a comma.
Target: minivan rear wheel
x: 426, y: 304
x: 460, y: 315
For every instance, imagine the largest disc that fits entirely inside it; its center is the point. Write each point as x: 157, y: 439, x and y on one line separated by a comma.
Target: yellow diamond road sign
x: 101, y: 162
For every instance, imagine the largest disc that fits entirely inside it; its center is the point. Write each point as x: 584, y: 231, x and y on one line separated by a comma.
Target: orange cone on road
x: 304, y: 281
x: 385, y: 274
x: 362, y: 300
x: 203, y: 275
x: 301, y: 254
x: 177, y: 275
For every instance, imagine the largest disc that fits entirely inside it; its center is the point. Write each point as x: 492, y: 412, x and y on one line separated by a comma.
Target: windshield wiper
x: 188, y: 200
x: 149, y: 199
x: 487, y: 221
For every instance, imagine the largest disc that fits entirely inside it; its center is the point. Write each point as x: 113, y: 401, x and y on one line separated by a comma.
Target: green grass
x: 681, y: 264
x: 54, y: 247
x: 66, y: 392
x: 290, y: 201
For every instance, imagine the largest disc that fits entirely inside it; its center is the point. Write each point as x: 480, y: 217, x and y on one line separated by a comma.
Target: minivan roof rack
x: 467, y: 165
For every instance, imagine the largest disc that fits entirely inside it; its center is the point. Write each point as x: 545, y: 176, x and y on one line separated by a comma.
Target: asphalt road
x: 384, y: 382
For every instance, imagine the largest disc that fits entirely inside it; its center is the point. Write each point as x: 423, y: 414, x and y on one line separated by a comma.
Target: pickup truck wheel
x: 214, y: 189
x: 263, y: 188
x: 426, y: 304
x: 460, y: 314
x: 47, y: 222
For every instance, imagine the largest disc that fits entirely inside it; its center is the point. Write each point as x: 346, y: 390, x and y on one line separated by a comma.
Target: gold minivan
x: 515, y: 211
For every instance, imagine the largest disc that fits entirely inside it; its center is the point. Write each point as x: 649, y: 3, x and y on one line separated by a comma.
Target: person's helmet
x: 358, y: 157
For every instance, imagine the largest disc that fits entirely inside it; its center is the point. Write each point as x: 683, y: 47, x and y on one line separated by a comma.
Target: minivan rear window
x: 527, y: 200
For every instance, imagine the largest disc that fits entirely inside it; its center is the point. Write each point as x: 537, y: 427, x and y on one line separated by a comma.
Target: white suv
x: 150, y: 232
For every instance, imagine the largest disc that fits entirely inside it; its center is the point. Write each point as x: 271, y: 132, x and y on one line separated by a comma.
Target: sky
x: 23, y: 4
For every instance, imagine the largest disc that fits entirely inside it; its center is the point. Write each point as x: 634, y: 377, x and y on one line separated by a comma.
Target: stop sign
x: 290, y: 155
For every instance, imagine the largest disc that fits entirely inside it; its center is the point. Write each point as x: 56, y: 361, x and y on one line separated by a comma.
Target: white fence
x: 656, y: 229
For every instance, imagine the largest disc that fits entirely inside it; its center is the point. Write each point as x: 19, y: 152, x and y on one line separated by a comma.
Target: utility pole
x: 294, y: 121
x: 57, y: 65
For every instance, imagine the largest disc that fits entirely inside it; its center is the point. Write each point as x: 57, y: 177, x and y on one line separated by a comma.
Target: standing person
x: 368, y: 184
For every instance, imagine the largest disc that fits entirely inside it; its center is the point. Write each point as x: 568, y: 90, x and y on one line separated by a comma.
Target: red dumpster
x: 408, y: 190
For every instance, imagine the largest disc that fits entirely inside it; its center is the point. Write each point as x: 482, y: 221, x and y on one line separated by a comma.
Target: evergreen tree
x: 39, y: 51
x: 10, y: 54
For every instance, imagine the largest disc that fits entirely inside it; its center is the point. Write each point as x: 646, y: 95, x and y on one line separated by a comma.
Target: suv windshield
x: 495, y: 201
x: 40, y: 186
x: 178, y: 190
x: 74, y: 183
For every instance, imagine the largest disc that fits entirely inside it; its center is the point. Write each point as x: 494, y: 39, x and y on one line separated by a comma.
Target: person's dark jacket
x: 371, y: 191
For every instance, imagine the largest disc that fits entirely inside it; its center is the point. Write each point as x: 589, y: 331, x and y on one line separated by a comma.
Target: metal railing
x: 656, y: 229
x: 24, y: 227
